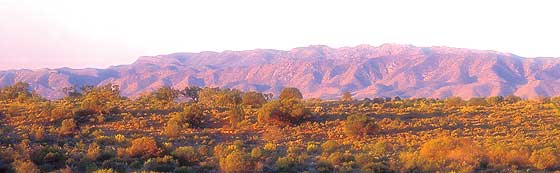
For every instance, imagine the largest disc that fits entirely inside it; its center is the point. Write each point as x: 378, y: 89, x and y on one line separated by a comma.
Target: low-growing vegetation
x: 95, y: 129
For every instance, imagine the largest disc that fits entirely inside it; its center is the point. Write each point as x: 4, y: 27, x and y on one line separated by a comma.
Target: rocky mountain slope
x: 321, y: 71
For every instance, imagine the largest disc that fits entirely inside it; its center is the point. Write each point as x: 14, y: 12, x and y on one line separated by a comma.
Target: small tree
x: 235, y: 115
x: 18, y: 90
x: 162, y: 98
x: 454, y: 101
x: 477, y: 102
x: 102, y: 100
x: 268, y: 97
x: 228, y: 97
x: 207, y: 96
x: 295, y: 111
x: 220, y: 97
x: 166, y: 94
x: 71, y: 92
x: 512, y: 99
x: 346, y: 97
x: 494, y: 100
x: 290, y: 93
x: 268, y: 111
x: 192, y: 92
x: 291, y: 111
x: 253, y: 98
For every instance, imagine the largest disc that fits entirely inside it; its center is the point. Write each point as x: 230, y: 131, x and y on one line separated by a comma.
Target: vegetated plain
x: 95, y: 129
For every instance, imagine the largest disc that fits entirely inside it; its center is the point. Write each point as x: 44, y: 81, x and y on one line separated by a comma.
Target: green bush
x: 104, y: 171
x: 82, y: 116
x: 330, y: 146
x: 49, y: 158
x: 290, y: 111
x: 161, y: 164
x: 545, y: 158
x: 358, y: 125
x: 144, y: 147
x: 220, y: 97
x: 194, y: 115
x: 172, y: 128
x: 24, y: 166
x: 288, y: 164
x: 93, y: 152
x: 116, y: 166
x: 237, y: 161
x: 235, y: 115
x: 67, y: 127
x: 186, y: 155
x: 252, y: 98
x: 324, y: 166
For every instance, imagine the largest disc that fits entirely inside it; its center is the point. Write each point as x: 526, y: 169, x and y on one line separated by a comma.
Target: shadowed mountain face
x: 320, y: 71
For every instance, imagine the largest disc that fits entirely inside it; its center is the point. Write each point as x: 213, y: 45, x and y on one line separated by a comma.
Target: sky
x: 78, y: 33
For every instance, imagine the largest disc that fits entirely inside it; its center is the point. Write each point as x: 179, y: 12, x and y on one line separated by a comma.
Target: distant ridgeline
x: 319, y: 72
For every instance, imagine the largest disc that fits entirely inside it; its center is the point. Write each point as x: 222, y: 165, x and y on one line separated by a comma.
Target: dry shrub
x: 144, y: 147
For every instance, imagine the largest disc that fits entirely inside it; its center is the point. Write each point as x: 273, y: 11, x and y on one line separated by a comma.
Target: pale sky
x: 99, y: 33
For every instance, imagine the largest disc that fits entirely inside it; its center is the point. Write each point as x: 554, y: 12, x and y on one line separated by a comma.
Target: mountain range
x: 320, y: 72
